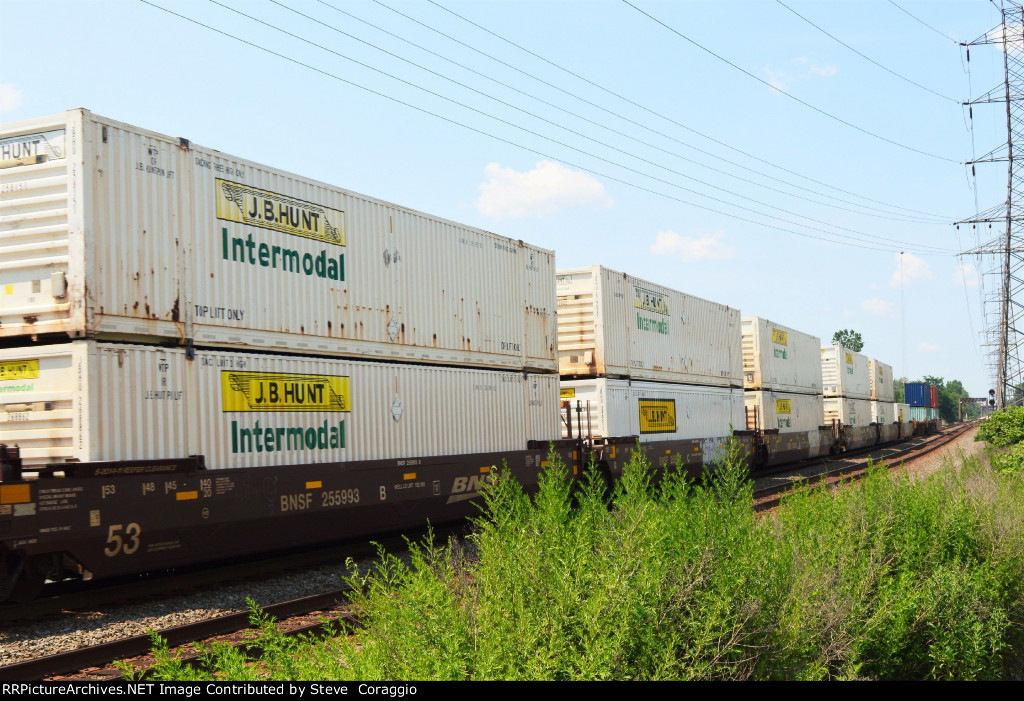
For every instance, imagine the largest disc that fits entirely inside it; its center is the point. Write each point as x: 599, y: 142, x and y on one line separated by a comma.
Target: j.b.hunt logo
x: 245, y: 204
x: 268, y: 391
x: 282, y: 392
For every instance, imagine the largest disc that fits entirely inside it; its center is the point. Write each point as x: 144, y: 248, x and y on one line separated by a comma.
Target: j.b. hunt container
x: 614, y: 325
x: 775, y: 357
x: 882, y: 387
x: 115, y: 232
x: 89, y: 400
x: 850, y: 412
x: 787, y: 412
x: 654, y: 411
x: 845, y: 373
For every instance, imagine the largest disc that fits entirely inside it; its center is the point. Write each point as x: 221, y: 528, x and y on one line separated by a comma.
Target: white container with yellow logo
x: 882, y: 387
x: 652, y: 411
x: 845, y: 373
x: 787, y: 412
x: 615, y: 325
x: 114, y: 232
x: 847, y: 411
x: 88, y: 400
x: 776, y: 357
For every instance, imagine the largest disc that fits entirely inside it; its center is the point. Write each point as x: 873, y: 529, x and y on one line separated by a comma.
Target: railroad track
x: 769, y: 497
x: 327, y: 604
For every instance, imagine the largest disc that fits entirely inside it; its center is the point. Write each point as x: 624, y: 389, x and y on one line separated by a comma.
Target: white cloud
x: 876, y: 306
x: 927, y: 347
x: 11, y: 97
x: 539, y: 192
x: 826, y: 70
x: 966, y: 275
x: 914, y: 270
x: 996, y: 37
x: 707, y: 247
x: 777, y: 79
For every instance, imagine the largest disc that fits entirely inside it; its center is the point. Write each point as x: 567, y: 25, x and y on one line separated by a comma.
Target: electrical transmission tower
x: 1007, y: 335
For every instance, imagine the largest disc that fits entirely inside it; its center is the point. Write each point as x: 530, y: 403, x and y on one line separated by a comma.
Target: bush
x: 890, y: 579
x: 1003, y: 428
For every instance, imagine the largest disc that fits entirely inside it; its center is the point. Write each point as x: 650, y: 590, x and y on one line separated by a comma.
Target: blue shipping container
x: 917, y: 394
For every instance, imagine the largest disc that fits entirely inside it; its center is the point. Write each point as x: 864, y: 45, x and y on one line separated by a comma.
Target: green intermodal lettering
x: 248, y: 250
x: 267, y: 439
x: 645, y: 323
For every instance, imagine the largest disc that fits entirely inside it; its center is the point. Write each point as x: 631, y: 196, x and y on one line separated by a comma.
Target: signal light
x: 991, y: 402
x: 991, y: 393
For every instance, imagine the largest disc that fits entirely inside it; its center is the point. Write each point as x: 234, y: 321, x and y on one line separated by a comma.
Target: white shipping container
x: 845, y: 373
x: 88, y: 400
x: 882, y: 388
x: 788, y: 412
x: 847, y: 411
x: 775, y: 357
x: 614, y: 325
x: 882, y: 412
x: 900, y: 412
x: 654, y: 411
x: 115, y: 232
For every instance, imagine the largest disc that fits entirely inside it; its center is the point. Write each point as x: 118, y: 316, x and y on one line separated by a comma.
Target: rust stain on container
x: 176, y: 309
x: 31, y: 319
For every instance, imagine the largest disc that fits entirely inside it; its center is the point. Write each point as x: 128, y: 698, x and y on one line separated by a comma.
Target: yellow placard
x: 782, y: 406
x: 19, y: 370
x: 567, y: 393
x: 849, y: 359
x: 649, y: 300
x: 244, y: 204
x: 780, y: 337
x: 15, y: 493
x: 657, y: 415
x: 272, y: 391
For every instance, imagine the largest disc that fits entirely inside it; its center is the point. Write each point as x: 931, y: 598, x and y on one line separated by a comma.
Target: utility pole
x: 1009, y: 247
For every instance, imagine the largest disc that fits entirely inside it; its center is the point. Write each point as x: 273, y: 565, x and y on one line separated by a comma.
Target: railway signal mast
x: 1008, y: 335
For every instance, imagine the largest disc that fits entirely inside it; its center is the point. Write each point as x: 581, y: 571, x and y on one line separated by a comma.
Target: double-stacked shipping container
x: 782, y: 377
x: 846, y: 381
x: 225, y: 308
x: 645, y: 360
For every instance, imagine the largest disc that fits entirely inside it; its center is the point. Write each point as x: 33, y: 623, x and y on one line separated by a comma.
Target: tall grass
x: 891, y: 578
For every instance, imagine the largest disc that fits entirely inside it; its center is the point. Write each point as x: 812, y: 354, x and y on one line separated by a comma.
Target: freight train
x: 204, y: 358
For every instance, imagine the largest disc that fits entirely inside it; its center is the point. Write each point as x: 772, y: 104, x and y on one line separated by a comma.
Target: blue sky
x: 593, y: 129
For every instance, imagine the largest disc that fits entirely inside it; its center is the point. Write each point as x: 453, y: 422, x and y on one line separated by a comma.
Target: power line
x: 639, y: 106
x: 790, y: 96
x: 517, y: 145
x: 865, y: 57
x: 872, y: 211
x: 572, y: 131
x: 942, y: 34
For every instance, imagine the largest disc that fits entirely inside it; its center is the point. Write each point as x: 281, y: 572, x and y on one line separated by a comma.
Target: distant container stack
x: 652, y: 361
x: 918, y: 394
x: 846, y: 381
x: 781, y: 376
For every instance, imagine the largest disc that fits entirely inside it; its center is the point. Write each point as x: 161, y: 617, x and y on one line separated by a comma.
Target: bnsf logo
x: 469, y: 484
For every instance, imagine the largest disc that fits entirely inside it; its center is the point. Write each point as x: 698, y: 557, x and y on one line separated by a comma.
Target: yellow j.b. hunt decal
x: 649, y: 300
x: 657, y: 415
x: 782, y: 406
x: 849, y: 359
x: 245, y: 204
x: 19, y: 370
x: 780, y: 337
x: 271, y: 391
x: 567, y: 393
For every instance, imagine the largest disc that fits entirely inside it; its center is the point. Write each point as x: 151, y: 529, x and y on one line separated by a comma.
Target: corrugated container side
x: 611, y: 324
x: 935, y: 397
x: 789, y: 412
x: 921, y: 413
x: 901, y: 412
x: 654, y: 411
x: 847, y: 411
x: 845, y: 373
x: 243, y: 410
x: 776, y: 357
x: 882, y: 388
x: 882, y: 412
x: 133, y: 235
x: 917, y: 394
